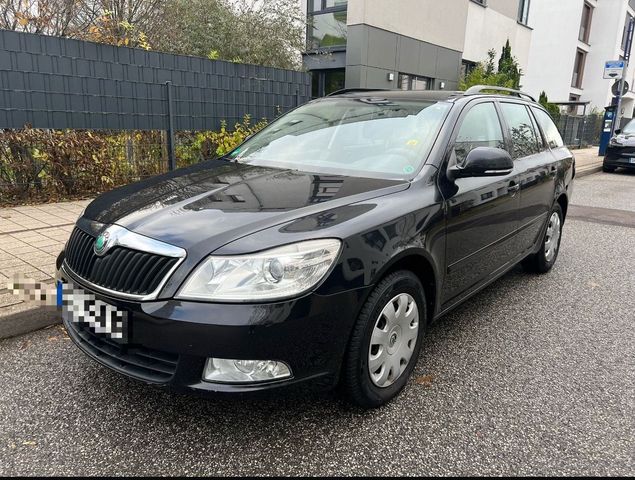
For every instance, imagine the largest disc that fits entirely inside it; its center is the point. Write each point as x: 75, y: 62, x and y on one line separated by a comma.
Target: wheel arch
x: 563, y: 201
x: 419, y: 262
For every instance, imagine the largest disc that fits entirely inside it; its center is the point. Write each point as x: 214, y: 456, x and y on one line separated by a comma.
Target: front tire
x: 608, y: 169
x: 546, y: 257
x: 386, y: 340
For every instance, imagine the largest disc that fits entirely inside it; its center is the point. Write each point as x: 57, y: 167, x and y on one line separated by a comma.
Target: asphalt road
x: 535, y: 375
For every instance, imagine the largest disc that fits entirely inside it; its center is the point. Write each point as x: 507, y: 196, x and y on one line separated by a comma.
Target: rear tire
x: 545, y: 258
x: 386, y: 341
x: 608, y: 169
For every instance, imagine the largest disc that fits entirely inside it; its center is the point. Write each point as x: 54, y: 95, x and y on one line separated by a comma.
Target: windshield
x: 629, y: 129
x: 367, y: 137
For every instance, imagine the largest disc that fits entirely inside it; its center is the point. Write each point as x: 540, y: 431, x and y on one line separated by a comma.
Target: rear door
x: 537, y: 169
x: 481, y: 212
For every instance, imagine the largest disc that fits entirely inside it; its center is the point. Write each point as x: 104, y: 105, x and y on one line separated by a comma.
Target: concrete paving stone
x: 10, y: 227
x: 48, y: 268
x: 11, y: 261
x: 28, y: 235
x: 7, y: 245
x: 54, y: 231
x: 46, y: 242
x: 22, y: 252
x: 30, y: 223
x: 38, y: 275
x: 7, y: 299
x: 40, y: 258
x: 12, y: 270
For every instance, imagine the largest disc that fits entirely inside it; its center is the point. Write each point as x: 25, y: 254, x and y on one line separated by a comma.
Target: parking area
x: 533, y: 376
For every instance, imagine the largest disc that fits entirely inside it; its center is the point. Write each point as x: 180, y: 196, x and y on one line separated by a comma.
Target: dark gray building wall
x: 52, y: 82
x: 324, y: 61
x: 373, y: 53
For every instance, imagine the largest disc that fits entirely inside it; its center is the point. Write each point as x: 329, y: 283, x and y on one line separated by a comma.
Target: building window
x: 324, y: 82
x: 585, y: 24
x: 467, y: 67
x: 625, y: 32
x: 319, y: 5
x: 573, y: 109
x: 413, y: 82
x: 326, y: 24
x: 523, y: 11
x: 578, y: 69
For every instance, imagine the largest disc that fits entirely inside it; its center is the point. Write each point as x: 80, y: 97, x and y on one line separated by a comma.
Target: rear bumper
x: 170, y: 340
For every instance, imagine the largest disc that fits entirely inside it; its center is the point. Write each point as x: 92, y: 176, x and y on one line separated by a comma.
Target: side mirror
x: 483, y: 162
x: 618, y: 131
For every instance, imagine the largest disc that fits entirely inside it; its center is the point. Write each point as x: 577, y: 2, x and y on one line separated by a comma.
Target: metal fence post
x: 170, y: 136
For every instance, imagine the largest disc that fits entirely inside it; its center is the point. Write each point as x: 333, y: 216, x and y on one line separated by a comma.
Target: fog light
x: 223, y: 370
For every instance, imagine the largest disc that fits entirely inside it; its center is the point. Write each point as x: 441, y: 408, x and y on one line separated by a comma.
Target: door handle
x: 513, y: 188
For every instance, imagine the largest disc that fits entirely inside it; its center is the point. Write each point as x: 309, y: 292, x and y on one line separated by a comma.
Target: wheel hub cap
x: 552, y: 236
x: 393, y: 340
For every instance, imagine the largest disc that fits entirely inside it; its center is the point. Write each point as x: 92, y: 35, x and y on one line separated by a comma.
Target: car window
x: 367, y: 136
x: 480, y: 128
x: 629, y: 129
x: 550, y: 130
x: 521, y: 130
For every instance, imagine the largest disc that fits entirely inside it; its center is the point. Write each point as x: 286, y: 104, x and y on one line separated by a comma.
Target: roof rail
x: 351, y: 90
x: 476, y: 89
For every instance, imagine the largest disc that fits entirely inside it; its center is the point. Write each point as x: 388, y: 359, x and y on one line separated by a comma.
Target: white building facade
x: 409, y: 44
x: 571, y: 41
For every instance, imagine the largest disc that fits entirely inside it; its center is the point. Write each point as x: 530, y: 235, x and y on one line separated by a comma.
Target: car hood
x: 217, y: 201
x: 626, y: 140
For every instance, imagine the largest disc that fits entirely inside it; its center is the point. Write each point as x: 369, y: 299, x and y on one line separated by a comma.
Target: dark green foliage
x: 552, y: 108
x: 507, y: 74
x: 508, y: 66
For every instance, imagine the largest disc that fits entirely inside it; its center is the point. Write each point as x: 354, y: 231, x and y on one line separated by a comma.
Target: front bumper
x: 310, y: 334
x: 620, y: 156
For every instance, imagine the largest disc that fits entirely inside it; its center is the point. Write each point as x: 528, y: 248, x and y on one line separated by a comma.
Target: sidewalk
x: 31, y: 237
x: 587, y: 161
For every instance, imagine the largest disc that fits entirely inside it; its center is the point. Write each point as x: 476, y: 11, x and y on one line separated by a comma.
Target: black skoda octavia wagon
x: 316, y: 253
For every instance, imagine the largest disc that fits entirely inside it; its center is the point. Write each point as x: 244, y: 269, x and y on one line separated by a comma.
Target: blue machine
x: 607, y: 128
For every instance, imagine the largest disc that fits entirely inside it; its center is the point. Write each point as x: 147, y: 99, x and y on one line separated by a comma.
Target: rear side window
x: 552, y: 135
x: 480, y: 128
x: 521, y: 130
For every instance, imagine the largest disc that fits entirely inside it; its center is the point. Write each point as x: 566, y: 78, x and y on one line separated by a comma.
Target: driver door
x: 482, y: 216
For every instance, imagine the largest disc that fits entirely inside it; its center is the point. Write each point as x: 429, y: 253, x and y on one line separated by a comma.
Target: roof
x: 433, y: 95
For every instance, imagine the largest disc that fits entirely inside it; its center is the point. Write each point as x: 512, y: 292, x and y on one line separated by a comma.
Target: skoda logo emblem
x: 101, y: 243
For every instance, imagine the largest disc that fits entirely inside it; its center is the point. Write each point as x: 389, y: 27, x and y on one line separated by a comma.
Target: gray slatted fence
x: 57, y: 83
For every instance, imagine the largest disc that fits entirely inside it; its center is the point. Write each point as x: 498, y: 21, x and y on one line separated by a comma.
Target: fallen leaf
x: 425, y: 380
x: 30, y: 443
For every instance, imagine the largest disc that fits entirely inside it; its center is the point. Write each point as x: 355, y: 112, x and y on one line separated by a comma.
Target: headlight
x: 615, y: 141
x: 270, y: 275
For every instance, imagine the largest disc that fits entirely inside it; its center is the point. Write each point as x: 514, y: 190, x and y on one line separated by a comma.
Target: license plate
x: 83, y: 308
x: 631, y: 160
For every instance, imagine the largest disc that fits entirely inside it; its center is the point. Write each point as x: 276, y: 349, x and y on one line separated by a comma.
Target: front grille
x: 121, y: 269
x: 139, y: 362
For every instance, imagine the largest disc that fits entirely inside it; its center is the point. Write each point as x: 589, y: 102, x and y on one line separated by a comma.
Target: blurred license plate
x: 631, y: 160
x: 81, y: 307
